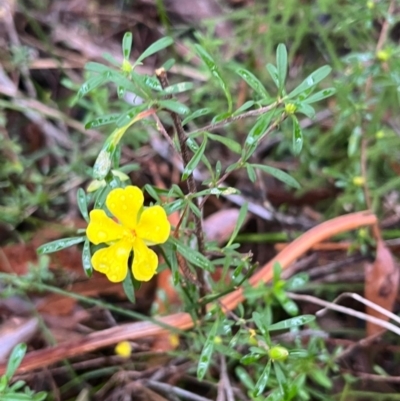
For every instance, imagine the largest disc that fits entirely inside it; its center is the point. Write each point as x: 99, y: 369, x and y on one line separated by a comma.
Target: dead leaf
x: 220, y: 225
x: 381, y: 284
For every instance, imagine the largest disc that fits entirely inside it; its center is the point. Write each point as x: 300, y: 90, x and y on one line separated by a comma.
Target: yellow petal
x: 153, y: 226
x: 124, y: 204
x: 113, y: 260
x: 102, y: 228
x: 145, y: 261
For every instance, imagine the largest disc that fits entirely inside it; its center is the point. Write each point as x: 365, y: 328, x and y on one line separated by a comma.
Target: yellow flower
x: 136, y: 228
x: 123, y: 349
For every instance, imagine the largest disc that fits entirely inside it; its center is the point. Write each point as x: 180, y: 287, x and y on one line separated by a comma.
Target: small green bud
x: 383, y: 55
x: 358, y: 181
x: 278, y: 353
x: 290, y: 108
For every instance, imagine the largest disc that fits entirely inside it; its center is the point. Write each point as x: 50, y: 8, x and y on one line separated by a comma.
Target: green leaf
x: 287, y: 304
x: 15, y: 359
x: 306, y: 109
x: 245, y: 106
x: 253, y: 82
x: 228, y: 142
x: 244, y: 378
x: 127, y: 45
x: 91, y: 84
x: 16, y: 397
x: 192, y: 256
x: 274, y: 74
x: 320, y: 95
x: 129, y: 115
x: 103, y: 120
x: 174, y: 106
x: 292, y: 322
x: 194, y: 161
x: 97, y: 67
x: 282, y: 65
x: 251, y: 172
x: 59, y: 244
x: 262, y: 380
x: 212, y: 67
x: 168, y: 64
x: 297, y: 136
x: 177, y: 88
x: 258, y: 130
x: 129, y: 287
x: 259, y: 321
x: 86, y: 259
x: 155, y: 47
x: 278, y: 174
x: 82, y: 203
x: 206, y: 353
x: 310, y: 82
x: 196, y: 114
x: 241, y: 218
x: 354, y: 141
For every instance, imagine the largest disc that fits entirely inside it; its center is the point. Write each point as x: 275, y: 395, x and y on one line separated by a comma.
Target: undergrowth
x: 322, y: 62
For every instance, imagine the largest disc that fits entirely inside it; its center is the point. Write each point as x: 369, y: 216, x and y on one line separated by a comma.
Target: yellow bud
x: 290, y: 108
x: 370, y: 5
x: 217, y: 340
x: 383, y: 55
x: 380, y: 134
x: 126, y: 66
x: 174, y: 340
x: 123, y: 349
x: 358, y: 181
x: 362, y: 233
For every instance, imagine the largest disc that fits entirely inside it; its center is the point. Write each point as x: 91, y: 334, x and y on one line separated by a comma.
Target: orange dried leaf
x: 381, y: 285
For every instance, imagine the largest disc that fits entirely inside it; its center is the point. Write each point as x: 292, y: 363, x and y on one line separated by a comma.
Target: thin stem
x: 191, y: 183
x: 251, y: 113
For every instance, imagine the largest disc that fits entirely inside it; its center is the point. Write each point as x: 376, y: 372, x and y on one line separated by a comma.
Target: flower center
x: 129, y: 235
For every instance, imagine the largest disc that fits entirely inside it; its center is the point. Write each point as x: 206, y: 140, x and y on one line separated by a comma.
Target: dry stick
x: 183, y: 321
x: 191, y: 183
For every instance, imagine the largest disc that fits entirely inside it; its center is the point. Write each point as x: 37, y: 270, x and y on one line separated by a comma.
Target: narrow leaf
x: 241, y: 219
x: 278, y: 174
x: 212, y: 67
x: 253, y: 82
x: 59, y: 244
x: 174, y: 106
x: 297, y: 136
x: 228, y: 142
x: 15, y: 359
x: 320, y: 95
x: 103, y: 120
x: 282, y: 65
x: 129, y: 287
x: 292, y: 322
x: 127, y: 45
x: 274, y: 74
x: 262, y: 380
x: 312, y: 80
x: 86, y: 259
x: 196, y: 114
x: 194, y: 161
x: 155, y: 47
x: 82, y: 203
x: 206, y: 353
x: 91, y: 84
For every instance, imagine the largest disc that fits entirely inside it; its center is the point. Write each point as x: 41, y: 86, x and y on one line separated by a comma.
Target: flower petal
x: 102, y: 228
x: 113, y: 260
x: 145, y: 261
x: 124, y: 204
x: 153, y: 226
